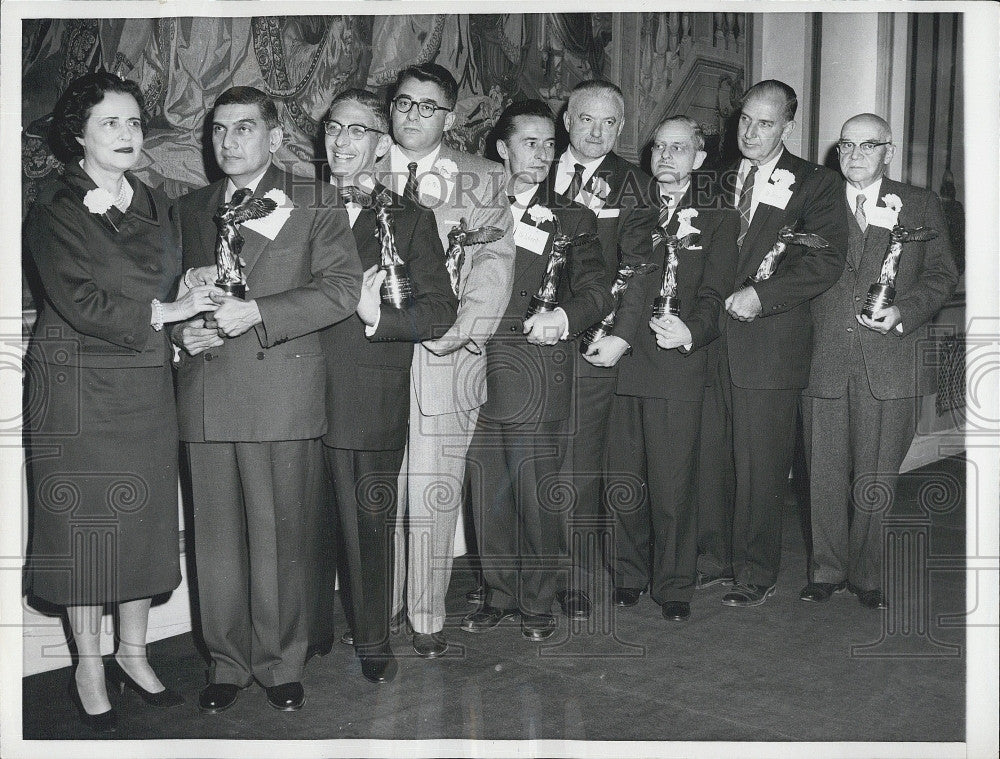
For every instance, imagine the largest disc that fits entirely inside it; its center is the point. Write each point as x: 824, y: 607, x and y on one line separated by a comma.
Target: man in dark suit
x: 767, y: 341
x: 656, y: 413
x: 250, y: 403
x: 520, y: 438
x: 368, y: 359
x: 861, y: 405
x: 591, y: 173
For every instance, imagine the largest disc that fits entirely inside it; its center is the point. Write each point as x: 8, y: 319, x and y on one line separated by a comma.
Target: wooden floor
x: 785, y: 671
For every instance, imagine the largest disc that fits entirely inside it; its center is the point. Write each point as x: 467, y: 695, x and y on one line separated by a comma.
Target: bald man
x: 868, y: 374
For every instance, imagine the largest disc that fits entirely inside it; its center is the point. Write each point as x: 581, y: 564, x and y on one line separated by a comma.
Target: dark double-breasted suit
x: 252, y: 413
x: 860, y: 407
x: 520, y: 438
x: 764, y: 364
x: 625, y: 222
x: 656, y: 415
x: 368, y: 408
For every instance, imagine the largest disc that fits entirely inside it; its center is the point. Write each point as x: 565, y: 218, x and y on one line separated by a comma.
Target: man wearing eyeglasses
x: 868, y: 373
x: 368, y: 360
x: 591, y: 173
x: 767, y: 343
x: 448, y: 375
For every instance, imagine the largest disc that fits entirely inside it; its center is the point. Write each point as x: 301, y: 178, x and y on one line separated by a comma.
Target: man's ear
x: 382, y: 146
x: 275, y: 136
x: 699, y: 159
x: 449, y: 120
x: 786, y: 131
x: 502, y: 150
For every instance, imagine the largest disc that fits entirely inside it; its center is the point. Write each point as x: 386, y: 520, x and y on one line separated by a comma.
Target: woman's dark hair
x: 74, y: 107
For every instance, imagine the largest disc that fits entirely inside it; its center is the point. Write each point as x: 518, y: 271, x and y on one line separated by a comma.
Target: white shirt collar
x: 252, y: 184
x: 521, y: 201
x: 398, y: 161
x: 763, y: 170
x: 871, y: 193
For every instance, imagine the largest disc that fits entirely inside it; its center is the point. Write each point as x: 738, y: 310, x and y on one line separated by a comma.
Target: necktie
x: 746, y: 197
x: 354, y: 195
x: 576, y: 183
x: 410, y: 191
x: 859, y: 213
x: 666, y: 210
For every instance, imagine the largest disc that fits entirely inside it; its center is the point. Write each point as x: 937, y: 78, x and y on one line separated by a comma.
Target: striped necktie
x: 410, y: 190
x: 746, y: 199
x: 667, y: 205
x: 859, y: 213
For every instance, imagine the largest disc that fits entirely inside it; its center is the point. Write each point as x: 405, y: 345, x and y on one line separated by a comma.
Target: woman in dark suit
x: 100, y: 412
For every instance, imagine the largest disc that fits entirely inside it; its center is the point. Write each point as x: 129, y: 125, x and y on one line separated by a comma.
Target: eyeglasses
x: 846, y: 147
x: 354, y: 131
x: 426, y: 108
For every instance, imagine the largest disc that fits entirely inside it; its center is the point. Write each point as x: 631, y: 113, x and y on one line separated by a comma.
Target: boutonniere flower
x: 782, y: 178
x: 601, y: 188
x: 98, y: 200
x: 540, y: 213
x: 447, y: 168
x: 684, y: 228
x: 892, y: 202
x: 278, y: 197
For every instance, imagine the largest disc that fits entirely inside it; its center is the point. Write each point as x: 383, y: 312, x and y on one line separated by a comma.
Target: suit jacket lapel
x: 364, y: 237
x: 766, y: 217
x: 525, y: 259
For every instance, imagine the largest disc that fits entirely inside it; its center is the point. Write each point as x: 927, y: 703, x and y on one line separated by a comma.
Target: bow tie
x: 354, y: 195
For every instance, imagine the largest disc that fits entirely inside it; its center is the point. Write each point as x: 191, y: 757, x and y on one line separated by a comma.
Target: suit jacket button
x: 260, y: 355
x: 513, y: 328
x: 524, y: 293
x: 857, y: 297
x: 850, y: 329
x: 208, y: 356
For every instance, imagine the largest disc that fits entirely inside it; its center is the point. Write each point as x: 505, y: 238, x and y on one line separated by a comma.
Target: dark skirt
x: 102, y: 468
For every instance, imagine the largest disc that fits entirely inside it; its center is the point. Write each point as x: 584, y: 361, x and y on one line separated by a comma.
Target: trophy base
x: 397, y: 288
x: 879, y: 296
x: 594, y: 334
x: 540, y: 306
x: 235, y: 289
x: 666, y: 304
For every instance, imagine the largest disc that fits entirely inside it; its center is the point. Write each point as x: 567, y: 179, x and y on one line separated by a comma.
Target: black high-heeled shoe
x: 105, y: 722
x: 164, y: 699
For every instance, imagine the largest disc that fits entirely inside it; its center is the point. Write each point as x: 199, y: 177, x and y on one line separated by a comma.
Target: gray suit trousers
x: 855, y: 445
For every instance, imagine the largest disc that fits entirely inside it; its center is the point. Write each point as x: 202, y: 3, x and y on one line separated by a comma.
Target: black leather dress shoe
x: 429, y: 645
x: 287, y: 697
x: 477, y: 595
x: 217, y: 697
x: 743, y: 596
x: 486, y: 617
x: 537, y: 627
x: 379, y: 668
x: 627, y: 596
x: 870, y: 599
x: 819, y: 592
x: 706, y: 580
x: 105, y: 722
x: 676, y: 611
x: 574, y: 603
x: 319, y: 649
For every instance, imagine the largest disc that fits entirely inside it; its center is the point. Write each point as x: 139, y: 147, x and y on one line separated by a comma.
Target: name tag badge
x: 775, y: 196
x: 609, y: 213
x: 530, y: 238
x: 881, y: 216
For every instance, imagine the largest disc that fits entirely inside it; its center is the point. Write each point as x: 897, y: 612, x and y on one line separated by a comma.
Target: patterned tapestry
x: 183, y: 64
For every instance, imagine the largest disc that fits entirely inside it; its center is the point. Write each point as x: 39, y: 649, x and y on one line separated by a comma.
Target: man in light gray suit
x: 448, y: 375
x: 868, y: 373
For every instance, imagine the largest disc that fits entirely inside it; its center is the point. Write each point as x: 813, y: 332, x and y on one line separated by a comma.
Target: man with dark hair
x: 591, y: 173
x: 368, y: 369
x: 522, y: 431
x: 861, y: 405
x: 448, y: 373
x: 250, y: 391
x: 657, y: 409
x: 767, y: 341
